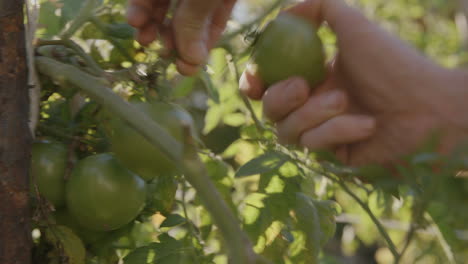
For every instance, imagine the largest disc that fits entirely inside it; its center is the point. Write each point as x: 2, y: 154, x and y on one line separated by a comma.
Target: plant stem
x: 443, y: 243
x: 225, y: 39
x: 246, y: 101
x: 75, y: 47
x: 240, y: 250
x: 376, y: 221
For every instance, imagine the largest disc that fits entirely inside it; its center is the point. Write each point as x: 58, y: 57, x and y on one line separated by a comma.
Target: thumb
x: 191, y: 25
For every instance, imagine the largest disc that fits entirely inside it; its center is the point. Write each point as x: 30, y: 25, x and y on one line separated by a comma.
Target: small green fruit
x: 289, y: 46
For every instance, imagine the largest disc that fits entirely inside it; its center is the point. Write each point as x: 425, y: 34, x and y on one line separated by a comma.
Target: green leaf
x: 209, y: 86
x: 262, y: 164
x: 167, y: 248
x: 213, y: 117
x: 48, y: 20
x: 142, y: 255
x: 70, y: 9
x: 308, y: 221
x: 120, y: 30
x: 173, y: 220
x: 184, y: 87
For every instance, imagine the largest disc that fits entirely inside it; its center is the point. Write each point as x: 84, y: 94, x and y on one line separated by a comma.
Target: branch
x: 75, y: 47
x: 376, y: 221
x: 240, y: 249
x: 225, y: 39
x: 246, y: 101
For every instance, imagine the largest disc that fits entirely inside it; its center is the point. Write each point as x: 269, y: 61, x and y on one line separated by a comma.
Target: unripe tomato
x: 48, y: 166
x: 135, y: 152
x: 63, y: 217
x: 103, y: 195
x: 289, y: 46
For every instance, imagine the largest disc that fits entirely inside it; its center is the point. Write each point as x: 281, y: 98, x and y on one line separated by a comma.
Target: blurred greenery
x: 424, y: 214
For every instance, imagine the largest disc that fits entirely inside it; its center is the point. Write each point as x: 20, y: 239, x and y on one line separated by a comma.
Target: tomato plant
x: 144, y: 165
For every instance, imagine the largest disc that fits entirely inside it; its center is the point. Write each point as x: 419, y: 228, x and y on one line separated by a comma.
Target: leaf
x: 48, y: 20
x: 142, y: 255
x: 209, y: 86
x: 120, y: 30
x: 262, y: 164
x: 184, y: 87
x: 167, y: 248
x: 70, y: 9
x: 173, y: 220
x: 213, y: 117
x: 308, y: 221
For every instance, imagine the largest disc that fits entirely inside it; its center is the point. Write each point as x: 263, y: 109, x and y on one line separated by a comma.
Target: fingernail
x: 333, y: 99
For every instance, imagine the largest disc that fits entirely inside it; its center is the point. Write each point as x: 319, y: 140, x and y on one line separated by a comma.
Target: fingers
x: 219, y: 21
x: 343, y: 129
x: 250, y: 84
x: 139, y: 12
x: 191, y: 25
x: 284, y: 97
x: 147, y: 16
x: 318, y: 109
x: 147, y: 34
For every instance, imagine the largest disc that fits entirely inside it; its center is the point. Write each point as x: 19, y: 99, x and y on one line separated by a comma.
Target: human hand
x: 381, y: 99
x: 194, y: 30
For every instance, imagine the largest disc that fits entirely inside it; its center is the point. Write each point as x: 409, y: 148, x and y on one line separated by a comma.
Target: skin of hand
x: 381, y: 100
x: 195, y: 28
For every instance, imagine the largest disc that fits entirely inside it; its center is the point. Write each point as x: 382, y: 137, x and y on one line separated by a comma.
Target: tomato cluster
x: 105, y: 192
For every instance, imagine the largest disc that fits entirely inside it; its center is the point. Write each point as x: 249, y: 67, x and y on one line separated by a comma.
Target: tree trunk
x: 15, y: 137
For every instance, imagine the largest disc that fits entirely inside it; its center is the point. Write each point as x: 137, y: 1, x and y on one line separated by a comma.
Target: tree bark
x: 15, y: 137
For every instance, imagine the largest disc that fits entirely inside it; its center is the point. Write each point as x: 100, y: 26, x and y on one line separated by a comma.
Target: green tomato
x: 289, y: 46
x: 63, y: 217
x: 48, y: 167
x: 135, y: 152
x: 103, y: 195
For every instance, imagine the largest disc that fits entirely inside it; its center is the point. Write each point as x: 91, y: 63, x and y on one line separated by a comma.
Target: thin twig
x: 228, y: 37
x: 258, y: 124
x: 443, y: 243
x: 376, y: 221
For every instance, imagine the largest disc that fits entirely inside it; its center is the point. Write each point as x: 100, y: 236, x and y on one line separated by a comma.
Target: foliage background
x: 231, y: 138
